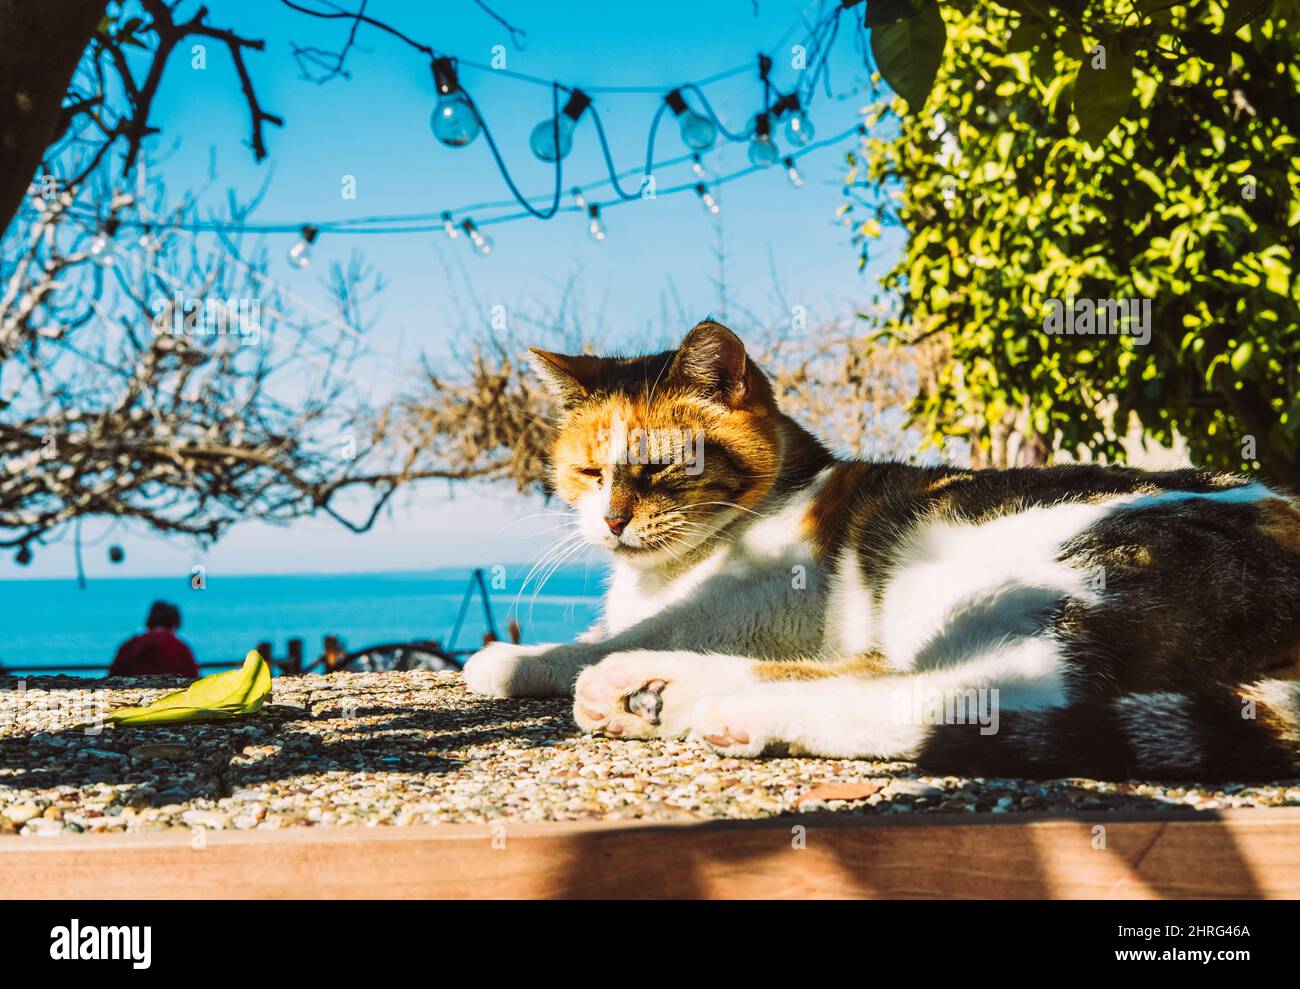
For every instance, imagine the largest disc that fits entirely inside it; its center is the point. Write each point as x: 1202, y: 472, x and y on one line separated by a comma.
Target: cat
x: 767, y: 596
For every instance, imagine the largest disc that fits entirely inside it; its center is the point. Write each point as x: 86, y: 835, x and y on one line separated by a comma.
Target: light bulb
x: 102, y: 245
x: 594, y: 226
x: 792, y: 173
x: 300, y: 253
x: 799, y: 129
x: 101, y: 250
x: 552, y: 139
x: 698, y: 131
x: 707, y: 198
x: 763, y: 152
x: 149, y: 241
x: 697, y: 166
x: 455, y: 122
x: 481, y: 243
x: 548, y: 136
x: 578, y: 198
x: 448, y: 227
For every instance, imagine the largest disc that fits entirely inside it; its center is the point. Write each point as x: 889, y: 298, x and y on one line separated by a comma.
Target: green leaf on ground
x: 221, y: 695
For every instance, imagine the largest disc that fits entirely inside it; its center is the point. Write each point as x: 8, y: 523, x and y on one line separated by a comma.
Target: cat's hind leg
x: 744, y: 707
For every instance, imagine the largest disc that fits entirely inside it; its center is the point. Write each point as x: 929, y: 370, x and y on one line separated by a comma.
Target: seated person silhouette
x: 157, y: 651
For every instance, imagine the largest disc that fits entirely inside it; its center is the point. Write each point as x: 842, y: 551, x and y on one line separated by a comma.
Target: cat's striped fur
x: 1115, y: 622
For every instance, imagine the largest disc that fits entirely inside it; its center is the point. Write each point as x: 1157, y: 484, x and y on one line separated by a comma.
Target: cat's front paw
x: 652, y: 694
x: 504, y: 669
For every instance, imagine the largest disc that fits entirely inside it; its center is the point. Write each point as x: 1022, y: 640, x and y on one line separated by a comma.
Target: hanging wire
x: 505, y: 172
x: 821, y: 37
x: 431, y: 227
x: 765, y: 62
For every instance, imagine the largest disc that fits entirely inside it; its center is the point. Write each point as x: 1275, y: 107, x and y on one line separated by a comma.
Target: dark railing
x: 416, y: 654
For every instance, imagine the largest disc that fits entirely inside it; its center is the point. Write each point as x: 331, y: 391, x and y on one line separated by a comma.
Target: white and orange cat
x: 767, y: 596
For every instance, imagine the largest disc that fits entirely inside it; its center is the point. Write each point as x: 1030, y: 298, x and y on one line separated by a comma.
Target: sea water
x: 54, y: 622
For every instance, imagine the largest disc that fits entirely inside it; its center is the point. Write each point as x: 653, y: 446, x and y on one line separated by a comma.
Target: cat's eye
x: 649, y: 470
x: 590, y: 471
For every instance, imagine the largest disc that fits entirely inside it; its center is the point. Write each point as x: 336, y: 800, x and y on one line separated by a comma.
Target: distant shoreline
x: 307, y: 574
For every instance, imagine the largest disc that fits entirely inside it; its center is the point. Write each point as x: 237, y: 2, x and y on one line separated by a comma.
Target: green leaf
x: 1214, y: 48
x: 909, y: 52
x: 1026, y: 35
x: 1101, y: 96
x: 221, y: 695
x: 882, y: 12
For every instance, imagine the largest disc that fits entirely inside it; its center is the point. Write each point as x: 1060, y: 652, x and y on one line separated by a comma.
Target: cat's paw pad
x: 731, y: 726
x: 503, y: 669
x: 611, y: 699
x: 650, y: 694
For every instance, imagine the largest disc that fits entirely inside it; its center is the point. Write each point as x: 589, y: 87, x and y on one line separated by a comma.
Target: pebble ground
x: 369, y: 749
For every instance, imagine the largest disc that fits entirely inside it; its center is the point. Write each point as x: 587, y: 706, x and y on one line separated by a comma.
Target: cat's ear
x: 568, y: 377
x: 713, y: 362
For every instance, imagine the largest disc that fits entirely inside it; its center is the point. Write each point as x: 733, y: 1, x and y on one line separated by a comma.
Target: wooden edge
x: 1248, y: 853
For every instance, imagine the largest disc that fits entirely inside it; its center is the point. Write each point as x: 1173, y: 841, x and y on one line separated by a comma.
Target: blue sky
x: 658, y: 259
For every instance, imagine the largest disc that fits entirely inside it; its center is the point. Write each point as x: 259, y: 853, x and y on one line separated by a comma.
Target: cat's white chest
x: 760, y: 579
x: 634, y: 596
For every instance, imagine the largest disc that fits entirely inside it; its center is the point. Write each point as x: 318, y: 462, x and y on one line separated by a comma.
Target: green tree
x: 1101, y: 151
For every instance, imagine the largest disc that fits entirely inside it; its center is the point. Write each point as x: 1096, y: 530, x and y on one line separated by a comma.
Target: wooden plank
x: 1247, y: 854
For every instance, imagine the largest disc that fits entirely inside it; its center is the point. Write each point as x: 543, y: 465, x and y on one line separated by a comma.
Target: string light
x: 763, y: 151
x: 149, y: 241
x: 455, y: 122
x: 482, y: 243
x: 594, y: 226
x: 698, y: 131
x: 300, y: 253
x: 423, y: 222
x: 552, y: 139
x: 102, y: 245
x: 792, y: 172
x: 799, y: 129
x: 707, y: 198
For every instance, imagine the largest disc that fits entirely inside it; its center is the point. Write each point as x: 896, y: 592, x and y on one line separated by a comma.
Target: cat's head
x: 657, y: 454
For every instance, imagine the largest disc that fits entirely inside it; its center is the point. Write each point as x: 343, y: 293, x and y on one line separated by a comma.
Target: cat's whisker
x: 559, y: 561
x: 556, y: 547
x: 536, y: 515
x: 730, y: 504
x: 542, y: 532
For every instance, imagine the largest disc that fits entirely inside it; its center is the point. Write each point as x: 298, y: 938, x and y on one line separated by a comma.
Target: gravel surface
x: 415, y: 748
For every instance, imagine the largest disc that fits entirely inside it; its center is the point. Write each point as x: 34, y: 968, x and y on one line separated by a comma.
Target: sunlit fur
x: 785, y: 599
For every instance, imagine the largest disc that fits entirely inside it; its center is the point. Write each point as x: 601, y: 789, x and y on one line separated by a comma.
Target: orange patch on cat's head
x: 705, y: 408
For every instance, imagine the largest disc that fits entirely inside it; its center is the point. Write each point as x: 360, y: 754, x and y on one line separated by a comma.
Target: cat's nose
x: 617, y: 523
